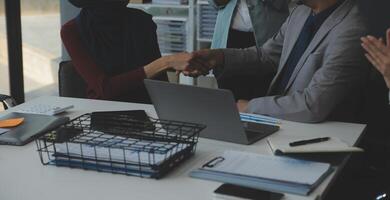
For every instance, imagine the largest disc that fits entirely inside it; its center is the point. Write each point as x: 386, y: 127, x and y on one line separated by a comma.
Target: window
x: 4, y: 80
x: 41, y: 46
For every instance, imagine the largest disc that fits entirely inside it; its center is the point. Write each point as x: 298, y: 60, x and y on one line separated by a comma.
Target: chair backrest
x: 375, y: 99
x: 376, y: 114
x: 70, y: 82
x: 6, y: 102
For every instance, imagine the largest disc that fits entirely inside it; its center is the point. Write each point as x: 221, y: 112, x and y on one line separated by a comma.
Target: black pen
x: 311, y: 141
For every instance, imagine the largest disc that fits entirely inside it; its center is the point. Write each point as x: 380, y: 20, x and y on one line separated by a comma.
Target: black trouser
x: 244, y: 86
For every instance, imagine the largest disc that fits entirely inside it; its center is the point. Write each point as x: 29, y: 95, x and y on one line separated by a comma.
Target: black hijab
x: 114, y: 34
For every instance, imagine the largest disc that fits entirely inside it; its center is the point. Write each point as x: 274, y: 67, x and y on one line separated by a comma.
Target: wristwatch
x: 7, y: 101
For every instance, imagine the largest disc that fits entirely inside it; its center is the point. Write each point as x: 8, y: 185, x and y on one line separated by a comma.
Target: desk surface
x: 22, y: 176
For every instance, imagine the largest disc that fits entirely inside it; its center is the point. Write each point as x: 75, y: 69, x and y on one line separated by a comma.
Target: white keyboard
x: 45, y: 109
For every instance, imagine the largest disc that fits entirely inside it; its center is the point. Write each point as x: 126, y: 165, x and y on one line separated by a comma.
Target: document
x: 273, y: 173
x: 281, y: 145
x: 118, y: 149
x: 260, y: 119
x: 271, y: 167
x: 108, y: 156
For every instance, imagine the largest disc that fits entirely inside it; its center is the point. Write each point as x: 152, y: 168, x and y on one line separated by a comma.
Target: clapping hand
x: 378, y: 53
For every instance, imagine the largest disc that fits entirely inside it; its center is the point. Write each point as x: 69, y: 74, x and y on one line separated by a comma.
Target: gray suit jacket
x: 329, y: 77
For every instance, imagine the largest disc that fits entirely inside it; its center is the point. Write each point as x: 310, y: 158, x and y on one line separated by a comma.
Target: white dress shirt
x: 241, y: 18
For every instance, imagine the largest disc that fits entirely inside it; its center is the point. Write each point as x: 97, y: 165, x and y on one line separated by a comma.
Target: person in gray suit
x: 318, y: 63
x: 242, y: 24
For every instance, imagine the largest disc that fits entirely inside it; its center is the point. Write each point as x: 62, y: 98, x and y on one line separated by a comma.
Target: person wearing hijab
x: 114, y: 48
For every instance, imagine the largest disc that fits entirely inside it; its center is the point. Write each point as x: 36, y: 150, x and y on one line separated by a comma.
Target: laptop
x: 214, y: 108
x: 32, y: 127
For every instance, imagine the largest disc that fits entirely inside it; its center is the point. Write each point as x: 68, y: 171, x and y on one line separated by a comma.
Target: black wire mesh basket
x: 120, y: 144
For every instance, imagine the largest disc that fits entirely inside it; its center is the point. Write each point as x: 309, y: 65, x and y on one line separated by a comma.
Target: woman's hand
x: 178, y: 62
x: 378, y: 53
x: 195, y: 64
x: 186, y: 63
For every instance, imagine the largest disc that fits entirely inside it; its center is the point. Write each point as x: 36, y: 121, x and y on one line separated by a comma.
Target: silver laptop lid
x: 211, y: 107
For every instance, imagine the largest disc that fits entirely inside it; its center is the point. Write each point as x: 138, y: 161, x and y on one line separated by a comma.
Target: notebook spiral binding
x: 120, y: 145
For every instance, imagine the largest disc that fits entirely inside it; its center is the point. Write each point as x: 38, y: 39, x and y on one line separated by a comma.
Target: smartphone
x: 246, y: 193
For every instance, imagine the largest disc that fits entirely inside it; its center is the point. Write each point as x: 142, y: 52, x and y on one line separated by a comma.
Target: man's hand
x: 196, y: 63
x: 203, y: 61
x: 242, y: 105
x: 378, y: 53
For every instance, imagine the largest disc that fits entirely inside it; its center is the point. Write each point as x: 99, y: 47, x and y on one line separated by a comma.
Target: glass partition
x: 41, y: 46
x: 4, y: 80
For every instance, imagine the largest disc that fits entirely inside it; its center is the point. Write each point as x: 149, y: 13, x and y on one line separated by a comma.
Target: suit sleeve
x: 100, y: 85
x: 252, y: 60
x: 278, y: 4
x: 343, y: 70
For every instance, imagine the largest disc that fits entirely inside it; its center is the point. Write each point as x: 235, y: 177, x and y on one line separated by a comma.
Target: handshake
x: 195, y: 64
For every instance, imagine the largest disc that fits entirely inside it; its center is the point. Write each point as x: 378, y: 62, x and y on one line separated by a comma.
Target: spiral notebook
x: 280, y: 145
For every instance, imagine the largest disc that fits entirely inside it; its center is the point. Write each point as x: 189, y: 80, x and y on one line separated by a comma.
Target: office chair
x: 6, y: 102
x: 377, y: 113
x: 70, y: 82
x: 383, y: 196
x: 366, y: 175
x: 376, y: 141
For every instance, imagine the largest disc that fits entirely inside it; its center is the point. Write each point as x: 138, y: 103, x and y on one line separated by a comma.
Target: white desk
x: 22, y: 176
